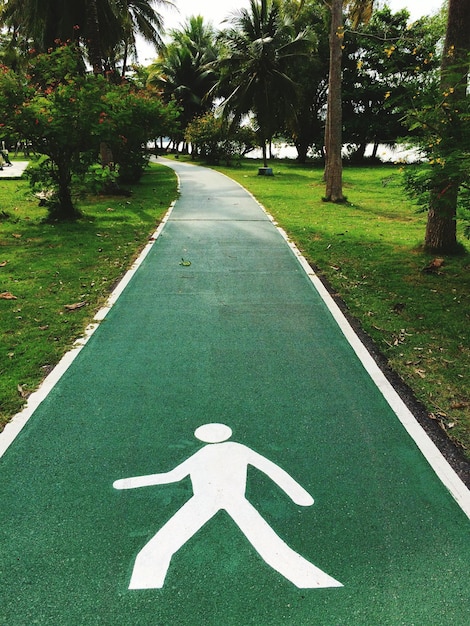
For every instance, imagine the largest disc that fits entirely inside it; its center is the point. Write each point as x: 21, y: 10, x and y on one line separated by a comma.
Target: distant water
x: 387, y: 154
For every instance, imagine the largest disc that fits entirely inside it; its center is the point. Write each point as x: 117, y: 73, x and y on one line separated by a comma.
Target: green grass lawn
x: 48, y: 268
x: 369, y: 252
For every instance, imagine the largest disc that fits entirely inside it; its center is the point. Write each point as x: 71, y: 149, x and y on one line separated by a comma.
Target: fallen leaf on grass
x: 22, y: 392
x: 3, y: 263
x: 7, y: 295
x: 75, y: 306
x: 460, y: 405
x: 16, y: 235
x: 433, y: 267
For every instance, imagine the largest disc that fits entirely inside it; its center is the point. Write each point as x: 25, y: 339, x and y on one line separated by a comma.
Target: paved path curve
x: 217, y: 454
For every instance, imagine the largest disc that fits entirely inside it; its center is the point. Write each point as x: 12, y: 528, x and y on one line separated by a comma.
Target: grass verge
x: 54, y: 277
x: 369, y: 252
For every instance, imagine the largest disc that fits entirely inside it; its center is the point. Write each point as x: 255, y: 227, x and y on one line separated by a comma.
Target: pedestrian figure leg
x: 153, y: 560
x: 276, y: 552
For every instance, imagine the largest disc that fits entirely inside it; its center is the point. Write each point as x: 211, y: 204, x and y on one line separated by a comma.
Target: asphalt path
x: 223, y: 451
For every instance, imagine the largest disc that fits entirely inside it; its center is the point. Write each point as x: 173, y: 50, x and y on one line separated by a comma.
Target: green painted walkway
x: 240, y: 337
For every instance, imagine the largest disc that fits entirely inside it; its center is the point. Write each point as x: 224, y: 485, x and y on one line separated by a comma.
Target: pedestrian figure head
x: 213, y: 433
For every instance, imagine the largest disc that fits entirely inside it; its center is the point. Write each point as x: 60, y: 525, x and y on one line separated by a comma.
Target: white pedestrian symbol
x: 218, y: 474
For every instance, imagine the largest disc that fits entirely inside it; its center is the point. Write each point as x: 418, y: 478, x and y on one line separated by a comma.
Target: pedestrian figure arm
x: 174, y: 476
x: 282, y: 479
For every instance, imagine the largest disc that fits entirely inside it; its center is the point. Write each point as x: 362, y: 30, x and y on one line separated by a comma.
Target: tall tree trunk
x: 334, y: 121
x: 302, y: 150
x: 124, y: 59
x: 95, y: 55
x: 65, y: 209
x: 441, y: 228
x: 94, y: 41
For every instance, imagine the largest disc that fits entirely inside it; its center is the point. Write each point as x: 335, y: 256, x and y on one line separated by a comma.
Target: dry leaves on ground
x: 75, y: 306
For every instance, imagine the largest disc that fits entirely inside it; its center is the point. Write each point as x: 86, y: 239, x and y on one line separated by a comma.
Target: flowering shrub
x: 130, y: 119
x: 67, y: 114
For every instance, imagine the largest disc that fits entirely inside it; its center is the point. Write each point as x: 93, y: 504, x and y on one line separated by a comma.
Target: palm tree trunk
x: 265, y: 154
x: 334, y: 121
x: 94, y: 45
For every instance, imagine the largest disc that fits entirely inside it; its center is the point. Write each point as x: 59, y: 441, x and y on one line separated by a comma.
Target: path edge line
x: 19, y: 420
x: 428, y: 448
x: 442, y: 468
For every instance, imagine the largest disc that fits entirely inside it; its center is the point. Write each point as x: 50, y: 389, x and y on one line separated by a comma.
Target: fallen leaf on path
x: 7, y: 295
x: 185, y: 263
x: 75, y: 306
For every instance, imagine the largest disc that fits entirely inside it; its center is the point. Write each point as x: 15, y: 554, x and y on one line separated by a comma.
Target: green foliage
x: 128, y: 120
x: 213, y: 139
x: 441, y: 181
x: 304, y: 122
x: 258, y: 52
x: 67, y: 113
x: 99, y: 179
x: 184, y: 72
x: 388, y: 65
x: 104, y: 31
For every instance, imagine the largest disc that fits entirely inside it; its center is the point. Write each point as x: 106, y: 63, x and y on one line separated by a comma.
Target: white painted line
x: 430, y: 451
x: 17, y: 423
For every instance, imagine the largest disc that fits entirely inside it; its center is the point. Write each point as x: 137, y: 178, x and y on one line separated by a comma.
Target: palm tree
x: 100, y: 25
x: 139, y: 16
x: 183, y: 71
x: 258, y: 51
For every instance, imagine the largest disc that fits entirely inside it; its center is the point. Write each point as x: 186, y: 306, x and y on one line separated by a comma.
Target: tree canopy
x: 257, y: 56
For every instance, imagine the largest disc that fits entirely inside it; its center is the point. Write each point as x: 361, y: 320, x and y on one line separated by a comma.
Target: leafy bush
x: 131, y: 118
x: 99, y: 180
x: 213, y: 140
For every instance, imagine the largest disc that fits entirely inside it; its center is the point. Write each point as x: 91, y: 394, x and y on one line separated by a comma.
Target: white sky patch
x: 217, y: 12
